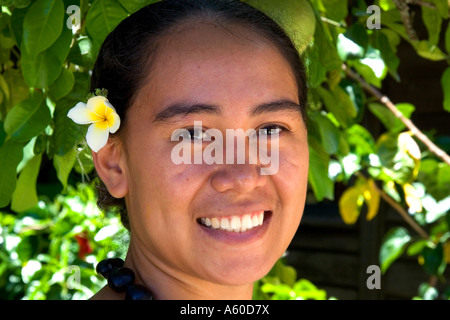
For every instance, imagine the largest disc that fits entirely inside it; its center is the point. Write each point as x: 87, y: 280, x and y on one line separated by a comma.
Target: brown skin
x: 170, y: 251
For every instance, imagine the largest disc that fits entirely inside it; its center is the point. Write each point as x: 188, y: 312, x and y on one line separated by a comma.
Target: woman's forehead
x: 204, y: 60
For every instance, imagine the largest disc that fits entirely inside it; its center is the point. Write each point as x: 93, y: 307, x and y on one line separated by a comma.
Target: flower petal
x: 108, y: 104
x: 113, y: 122
x: 80, y: 114
x: 97, y: 105
x: 97, y: 135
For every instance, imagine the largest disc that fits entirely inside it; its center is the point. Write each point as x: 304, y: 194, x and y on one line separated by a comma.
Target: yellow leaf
x: 372, y: 199
x: 350, y: 204
x: 407, y: 143
x: 447, y: 251
x: 412, y: 198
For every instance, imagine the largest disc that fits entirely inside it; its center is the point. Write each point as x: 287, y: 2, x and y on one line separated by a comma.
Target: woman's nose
x: 240, y: 178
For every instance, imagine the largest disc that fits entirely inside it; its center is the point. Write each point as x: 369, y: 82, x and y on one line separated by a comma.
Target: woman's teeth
x: 235, y: 223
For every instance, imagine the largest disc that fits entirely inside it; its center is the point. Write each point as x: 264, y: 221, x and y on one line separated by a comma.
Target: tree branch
x: 421, y: 3
x: 408, y: 123
x: 406, y: 18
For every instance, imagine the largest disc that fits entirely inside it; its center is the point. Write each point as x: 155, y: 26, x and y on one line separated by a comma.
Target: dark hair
x: 130, y: 49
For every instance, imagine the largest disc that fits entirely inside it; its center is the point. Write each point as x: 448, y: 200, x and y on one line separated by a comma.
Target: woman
x: 202, y: 230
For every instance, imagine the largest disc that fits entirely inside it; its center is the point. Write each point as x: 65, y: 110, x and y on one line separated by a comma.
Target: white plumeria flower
x: 103, y: 119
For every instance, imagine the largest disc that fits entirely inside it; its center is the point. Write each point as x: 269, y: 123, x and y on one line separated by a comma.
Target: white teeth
x: 235, y: 223
x: 247, y: 222
x: 215, y: 223
x: 225, y: 224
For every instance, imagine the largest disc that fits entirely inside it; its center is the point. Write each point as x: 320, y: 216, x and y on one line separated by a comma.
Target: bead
x: 105, y: 267
x: 138, y: 292
x: 120, y: 279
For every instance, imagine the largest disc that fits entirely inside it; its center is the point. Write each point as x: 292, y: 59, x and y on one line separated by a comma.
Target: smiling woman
x: 201, y: 231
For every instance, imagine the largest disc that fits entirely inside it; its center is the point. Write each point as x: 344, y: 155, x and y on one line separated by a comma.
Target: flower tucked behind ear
x: 103, y: 119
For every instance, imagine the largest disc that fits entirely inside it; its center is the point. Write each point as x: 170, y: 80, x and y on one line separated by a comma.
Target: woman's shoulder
x: 106, y: 293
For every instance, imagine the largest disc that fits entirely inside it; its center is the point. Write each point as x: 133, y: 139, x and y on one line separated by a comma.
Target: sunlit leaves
x: 397, y: 164
x: 39, y: 247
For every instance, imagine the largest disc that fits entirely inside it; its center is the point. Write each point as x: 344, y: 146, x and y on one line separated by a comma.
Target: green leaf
x: 445, y: 82
x: 63, y: 85
x: 434, y: 263
x: 103, y: 17
x: 429, y: 51
x: 82, y: 53
x: 329, y: 134
x: 442, y: 7
x: 296, y: 17
x: 27, y: 119
x: 397, y: 164
x: 361, y: 139
x: 27, y: 248
x: 134, y: 5
x: 317, y: 73
x: 67, y: 133
x: 393, y: 245
x: 46, y: 67
x: 328, y: 55
x: 336, y: 9
x: 318, y: 178
x: 42, y: 25
x: 10, y: 156
x: 447, y: 39
x: 25, y: 195
x: 63, y: 165
x: 389, y: 120
x: 17, y: 17
x: 15, y: 80
x: 388, y: 53
x: 387, y: 5
x: 432, y: 20
x: 339, y: 104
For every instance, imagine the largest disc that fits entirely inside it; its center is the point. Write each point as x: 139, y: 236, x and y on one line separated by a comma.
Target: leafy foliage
x: 47, y: 52
x: 50, y: 251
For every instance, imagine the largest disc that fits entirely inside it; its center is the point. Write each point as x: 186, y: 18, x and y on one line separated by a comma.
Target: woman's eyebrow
x: 276, y: 106
x: 184, y: 109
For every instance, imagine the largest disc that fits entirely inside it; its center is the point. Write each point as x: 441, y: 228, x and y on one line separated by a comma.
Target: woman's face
x: 226, y: 80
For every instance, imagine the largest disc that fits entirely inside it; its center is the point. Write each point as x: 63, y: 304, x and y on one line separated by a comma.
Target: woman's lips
x: 235, y: 223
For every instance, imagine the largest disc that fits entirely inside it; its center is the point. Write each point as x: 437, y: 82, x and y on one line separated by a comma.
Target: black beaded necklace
x: 121, y: 279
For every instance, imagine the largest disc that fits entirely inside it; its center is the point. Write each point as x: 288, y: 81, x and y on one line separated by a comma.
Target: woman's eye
x: 271, y: 129
x: 189, y: 134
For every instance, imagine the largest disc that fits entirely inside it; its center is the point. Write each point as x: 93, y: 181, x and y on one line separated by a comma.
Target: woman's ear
x: 110, y: 164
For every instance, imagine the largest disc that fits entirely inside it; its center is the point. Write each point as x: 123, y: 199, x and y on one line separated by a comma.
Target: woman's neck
x: 168, y: 284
